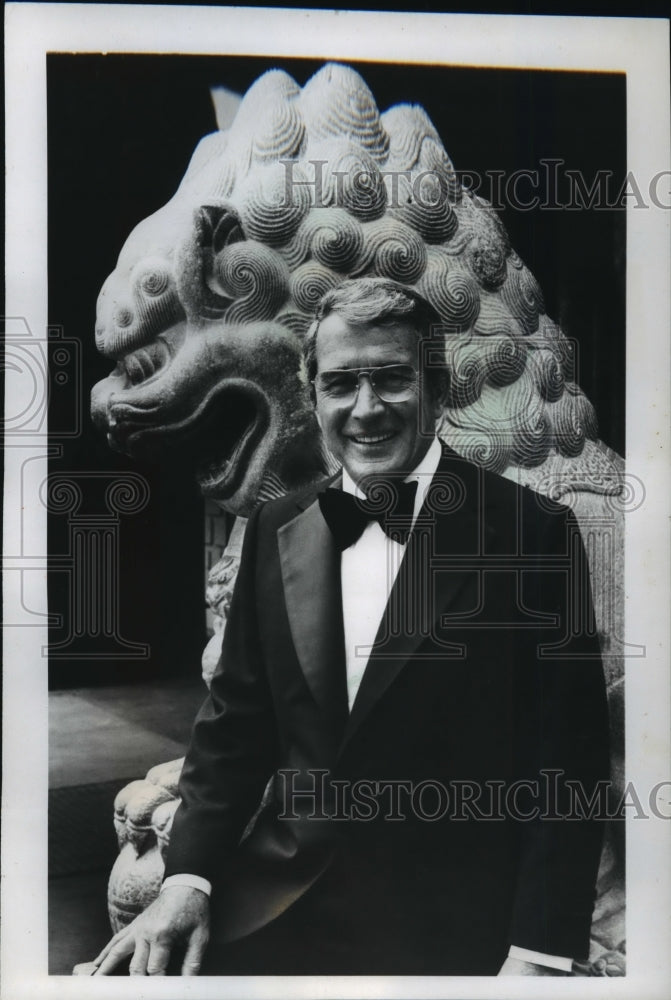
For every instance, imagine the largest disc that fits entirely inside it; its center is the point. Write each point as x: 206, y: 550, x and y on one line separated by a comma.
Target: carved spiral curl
x: 279, y: 132
x: 256, y: 277
x: 467, y: 373
x: 585, y: 411
x: 151, y: 277
x: 546, y: 371
x: 391, y: 250
x: 271, y: 210
x: 488, y: 451
x: 433, y: 157
x: 494, y: 319
x: 482, y: 447
x: 261, y: 104
x: 126, y: 317
x: 456, y: 247
x: 546, y: 338
x: 514, y: 414
x: 156, y: 299
x: 123, y: 317
x: 337, y: 102
x: 295, y: 320
x: 452, y: 293
x: 573, y: 421
x: 423, y: 203
x: 407, y: 126
x: 504, y: 359
x: 352, y: 180
x: 309, y: 282
x: 523, y: 296
x: 130, y: 328
x: 533, y: 439
x: 549, y: 337
x: 297, y: 251
x: 513, y: 418
x: 414, y: 144
x: 333, y: 237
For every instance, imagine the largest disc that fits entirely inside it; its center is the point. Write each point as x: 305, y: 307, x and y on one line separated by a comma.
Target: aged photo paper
x: 111, y: 528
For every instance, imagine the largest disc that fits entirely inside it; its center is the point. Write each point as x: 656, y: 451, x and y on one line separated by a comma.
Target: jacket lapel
x: 310, y: 565
x: 426, y: 587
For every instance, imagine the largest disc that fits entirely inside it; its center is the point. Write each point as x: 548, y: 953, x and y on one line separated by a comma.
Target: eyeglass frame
x: 369, y: 373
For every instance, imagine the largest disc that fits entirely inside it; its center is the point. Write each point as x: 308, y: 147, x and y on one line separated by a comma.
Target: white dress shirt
x: 368, y: 570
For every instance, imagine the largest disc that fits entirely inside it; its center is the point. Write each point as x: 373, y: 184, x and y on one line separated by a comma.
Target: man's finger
x: 124, y: 947
x: 159, y: 956
x: 193, y: 958
x: 119, y: 936
x: 138, y: 964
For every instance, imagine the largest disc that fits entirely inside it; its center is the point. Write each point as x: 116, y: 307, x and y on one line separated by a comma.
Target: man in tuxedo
x: 409, y: 696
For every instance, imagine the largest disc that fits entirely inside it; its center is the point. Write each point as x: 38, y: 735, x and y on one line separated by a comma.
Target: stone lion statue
x: 204, y: 317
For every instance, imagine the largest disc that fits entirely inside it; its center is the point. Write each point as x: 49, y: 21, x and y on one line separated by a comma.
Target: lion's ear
x: 218, y: 226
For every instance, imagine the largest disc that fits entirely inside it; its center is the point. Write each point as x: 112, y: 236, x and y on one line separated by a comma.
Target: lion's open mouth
x: 224, y: 438
x: 213, y: 441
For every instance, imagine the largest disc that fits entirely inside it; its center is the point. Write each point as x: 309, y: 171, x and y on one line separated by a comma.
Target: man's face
x: 370, y: 436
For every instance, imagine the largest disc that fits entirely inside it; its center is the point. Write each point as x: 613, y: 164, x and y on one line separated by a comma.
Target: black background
x: 121, y: 130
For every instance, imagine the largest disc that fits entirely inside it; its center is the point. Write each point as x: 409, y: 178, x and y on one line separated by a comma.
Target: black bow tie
x: 389, y: 503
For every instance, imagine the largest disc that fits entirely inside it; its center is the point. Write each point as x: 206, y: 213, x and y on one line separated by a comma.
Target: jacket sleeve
x: 562, y: 744
x: 233, y: 749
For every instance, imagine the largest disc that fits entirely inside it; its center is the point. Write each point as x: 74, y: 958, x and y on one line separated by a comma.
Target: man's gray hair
x: 364, y: 301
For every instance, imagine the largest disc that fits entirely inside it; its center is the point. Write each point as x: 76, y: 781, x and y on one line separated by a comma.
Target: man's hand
x: 517, y: 967
x: 180, y: 916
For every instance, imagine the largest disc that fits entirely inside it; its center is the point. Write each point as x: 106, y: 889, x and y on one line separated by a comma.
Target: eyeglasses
x: 390, y: 383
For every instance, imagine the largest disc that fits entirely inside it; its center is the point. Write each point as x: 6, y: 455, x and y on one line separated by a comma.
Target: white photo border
x: 635, y: 46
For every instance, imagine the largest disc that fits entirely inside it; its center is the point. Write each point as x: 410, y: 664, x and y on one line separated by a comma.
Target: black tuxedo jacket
x: 484, y: 696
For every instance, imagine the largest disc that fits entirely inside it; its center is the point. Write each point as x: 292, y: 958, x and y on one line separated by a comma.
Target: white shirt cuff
x: 539, y: 958
x: 193, y: 881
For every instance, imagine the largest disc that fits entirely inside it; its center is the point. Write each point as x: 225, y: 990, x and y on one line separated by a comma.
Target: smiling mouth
x: 372, y: 439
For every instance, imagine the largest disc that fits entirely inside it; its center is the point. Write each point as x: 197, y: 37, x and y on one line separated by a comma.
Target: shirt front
x: 368, y: 570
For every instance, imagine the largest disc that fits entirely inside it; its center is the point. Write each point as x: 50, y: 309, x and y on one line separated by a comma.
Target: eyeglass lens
x: 392, y: 383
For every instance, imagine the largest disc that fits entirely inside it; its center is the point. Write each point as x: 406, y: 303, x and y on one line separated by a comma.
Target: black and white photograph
x: 336, y: 504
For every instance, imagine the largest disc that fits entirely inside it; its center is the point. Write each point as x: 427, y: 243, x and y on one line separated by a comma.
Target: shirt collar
x: 422, y: 474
